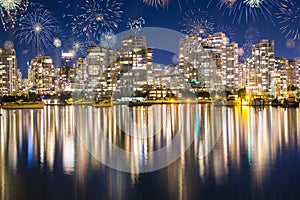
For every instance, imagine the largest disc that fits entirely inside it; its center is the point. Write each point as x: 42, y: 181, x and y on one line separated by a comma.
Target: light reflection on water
x: 250, y: 143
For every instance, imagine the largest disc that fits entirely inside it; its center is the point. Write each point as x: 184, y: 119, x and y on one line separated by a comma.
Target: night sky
x: 266, y: 24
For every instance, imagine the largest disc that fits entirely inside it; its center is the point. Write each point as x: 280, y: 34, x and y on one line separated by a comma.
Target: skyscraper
x: 41, y: 75
x: 8, y: 72
x: 135, y: 58
x: 263, y: 62
x: 98, y: 61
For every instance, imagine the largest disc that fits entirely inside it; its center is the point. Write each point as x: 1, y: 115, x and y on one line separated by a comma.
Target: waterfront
x: 47, y: 154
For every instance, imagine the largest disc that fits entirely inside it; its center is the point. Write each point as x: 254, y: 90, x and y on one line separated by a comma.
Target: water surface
x: 48, y: 154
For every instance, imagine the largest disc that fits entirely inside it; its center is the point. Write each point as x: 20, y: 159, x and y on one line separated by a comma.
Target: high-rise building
x: 99, y: 66
x: 293, y: 73
x: 212, y: 61
x: 66, y: 59
x: 81, y: 76
x: 8, y: 72
x: 135, y: 58
x: 65, y: 74
x: 197, y: 62
x: 280, y: 77
x: 231, y: 67
x: 41, y: 75
x: 264, y: 64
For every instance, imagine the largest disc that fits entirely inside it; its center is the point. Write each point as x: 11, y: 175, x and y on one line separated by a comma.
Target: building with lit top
x: 8, y: 72
x: 65, y: 75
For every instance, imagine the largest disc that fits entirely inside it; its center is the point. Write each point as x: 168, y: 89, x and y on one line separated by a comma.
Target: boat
x: 103, y: 104
x: 24, y: 105
x: 290, y: 102
x: 257, y: 101
x: 275, y: 103
x: 54, y: 102
x: 233, y: 100
x: 204, y: 100
x: 218, y: 102
x: 139, y: 103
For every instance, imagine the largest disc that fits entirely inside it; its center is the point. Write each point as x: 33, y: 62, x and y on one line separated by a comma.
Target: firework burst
x: 10, y: 4
x: 108, y: 40
x: 37, y: 28
x: 290, y: 44
x: 197, y: 22
x: 161, y: 3
x: 252, y: 35
x: 247, y: 9
x: 10, y: 10
x: 247, y: 50
x: 136, y: 24
x: 57, y: 42
x: 253, y: 3
x: 95, y: 17
x: 156, y: 3
x: 230, y: 31
x: 77, y: 46
x: 8, y: 44
x: 289, y: 19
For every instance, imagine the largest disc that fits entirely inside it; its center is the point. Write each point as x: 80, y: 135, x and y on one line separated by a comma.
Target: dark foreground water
x: 236, y: 153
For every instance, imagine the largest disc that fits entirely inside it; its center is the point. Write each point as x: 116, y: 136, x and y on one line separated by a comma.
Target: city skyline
x: 203, y: 64
x: 173, y: 15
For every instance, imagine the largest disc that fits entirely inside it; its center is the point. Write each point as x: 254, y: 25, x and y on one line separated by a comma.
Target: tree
x: 292, y: 88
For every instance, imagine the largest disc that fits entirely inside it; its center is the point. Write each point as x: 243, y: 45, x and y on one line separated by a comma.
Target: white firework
x: 290, y: 44
x: 156, y: 3
x: 197, y: 22
x: 8, y: 45
x: 108, y: 40
x: 136, y: 24
x: 57, y: 42
x: 96, y: 16
x: 10, y: 4
x: 254, y: 3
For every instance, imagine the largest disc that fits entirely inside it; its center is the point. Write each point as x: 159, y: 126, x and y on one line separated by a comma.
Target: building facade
x: 264, y: 64
x: 9, y: 75
x: 41, y: 75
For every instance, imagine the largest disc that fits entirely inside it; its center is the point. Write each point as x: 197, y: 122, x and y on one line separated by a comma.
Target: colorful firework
x: 136, y: 24
x: 156, y: 3
x: 252, y: 35
x: 11, y: 4
x: 96, y: 16
x: 290, y: 44
x: 77, y: 46
x: 230, y: 31
x: 37, y: 28
x: 227, y: 3
x: 197, y: 22
x: 254, y: 3
x: 57, y: 42
x: 8, y: 45
x: 247, y: 50
x: 108, y: 40
x: 248, y: 9
x: 9, y: 11
x: 161, y: 3
x: 289, y: 19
